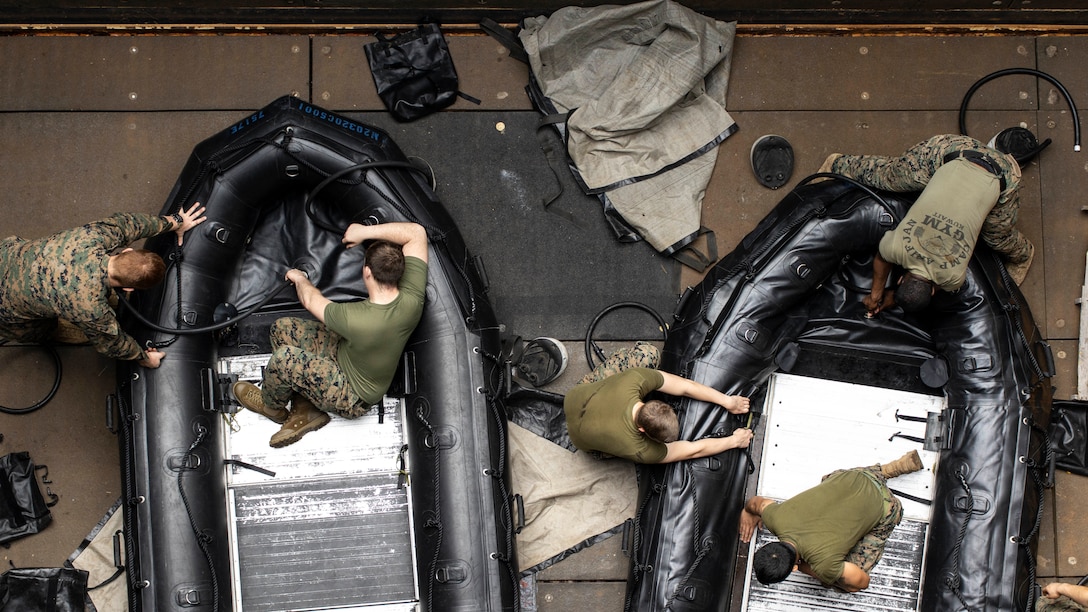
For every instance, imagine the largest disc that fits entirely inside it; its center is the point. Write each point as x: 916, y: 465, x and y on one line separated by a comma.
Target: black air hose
x: 207, y: 328
x: 52, y: 351
x: 1028, y: 71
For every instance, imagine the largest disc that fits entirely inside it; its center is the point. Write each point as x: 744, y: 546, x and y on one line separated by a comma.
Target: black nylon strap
x: 979, y: 159
x: 507, y: 38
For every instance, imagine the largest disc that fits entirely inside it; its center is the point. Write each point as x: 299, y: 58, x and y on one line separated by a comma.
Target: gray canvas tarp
x: 645, y: 87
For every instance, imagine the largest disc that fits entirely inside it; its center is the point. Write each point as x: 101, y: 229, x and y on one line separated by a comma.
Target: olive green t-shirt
x: 826, y: 521
x: 599, y: 415
x: 937, y: 236
x: 373, y: 336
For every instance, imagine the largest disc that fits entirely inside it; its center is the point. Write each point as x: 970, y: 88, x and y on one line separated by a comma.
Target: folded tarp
x: 645, y: 87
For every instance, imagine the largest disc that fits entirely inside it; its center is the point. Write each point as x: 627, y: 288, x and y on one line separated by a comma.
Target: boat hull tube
x: 789, y: 299
x: 270, y: 183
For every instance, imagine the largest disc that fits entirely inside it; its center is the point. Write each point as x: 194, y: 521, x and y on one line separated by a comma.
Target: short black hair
x: 773, y: 562
x: 386, y: 262
x: 914, y: 293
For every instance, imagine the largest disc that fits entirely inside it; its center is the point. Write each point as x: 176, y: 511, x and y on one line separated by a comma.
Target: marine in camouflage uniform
x: 1061, y: 604
x: 304, y: 361
x: 819, y: 525
x: 64, y: 276
x: 911, y: 172
x: 344, y: 361
x: 643, y: 355
x: 870, y: 548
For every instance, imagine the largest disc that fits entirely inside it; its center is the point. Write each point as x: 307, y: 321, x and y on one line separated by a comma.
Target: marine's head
x: 658, y: 420
x: 914, y: 292
x: 135, y: 269
x: 386, y: 263
x: 773, y: 562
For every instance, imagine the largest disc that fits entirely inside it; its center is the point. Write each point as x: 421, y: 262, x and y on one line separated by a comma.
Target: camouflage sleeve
x: 120, y: 229
x: 107, y: 337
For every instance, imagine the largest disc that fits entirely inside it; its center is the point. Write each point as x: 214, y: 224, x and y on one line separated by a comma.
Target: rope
x: 1040, y: 485
x: 1012, y: 309
x: 498, y: 411
x: 202, y: 538
x: 953, y: 579
x: 701, y: 548
x: 435, y: 521
x: 637, y: 569
x: 131, y: 554
x: 497, y: 475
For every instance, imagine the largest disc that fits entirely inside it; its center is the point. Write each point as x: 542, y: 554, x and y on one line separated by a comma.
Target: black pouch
x: 23, y: 510
x: 1068, y: 434
x: 44, y: 589
x: 413, y: 72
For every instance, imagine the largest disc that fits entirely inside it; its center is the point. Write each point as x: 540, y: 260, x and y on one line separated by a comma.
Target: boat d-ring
x: 591, y: 346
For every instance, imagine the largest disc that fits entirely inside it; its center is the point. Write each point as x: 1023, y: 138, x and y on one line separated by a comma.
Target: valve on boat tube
x: 308, y: 267
x: 224, y: 312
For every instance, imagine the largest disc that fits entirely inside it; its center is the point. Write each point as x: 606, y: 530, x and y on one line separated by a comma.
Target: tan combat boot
x: 1019, y: 271
x: 249, y: 396
x: 305, y: 417
x: 906, y: 464
x: 830, y: 161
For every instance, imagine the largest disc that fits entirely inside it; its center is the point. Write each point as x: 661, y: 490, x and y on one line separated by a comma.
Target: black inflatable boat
x: 207, y: 526
x: 787, y: 301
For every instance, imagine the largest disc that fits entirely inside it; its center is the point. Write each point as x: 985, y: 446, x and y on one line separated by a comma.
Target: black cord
x: 591, y: 347
x: 308, y: 206
x: 1033, y: 72
x: 52, y: 351
x: 206, y: 328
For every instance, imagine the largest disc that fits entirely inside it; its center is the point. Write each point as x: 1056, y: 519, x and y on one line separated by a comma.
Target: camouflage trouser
x: 644, y: 355
x: 867, y: 552
x: 304, y: 361
x: 14, y: 327
x: 912, y: 171
x: 1061, y: 604
x: 35, y: 331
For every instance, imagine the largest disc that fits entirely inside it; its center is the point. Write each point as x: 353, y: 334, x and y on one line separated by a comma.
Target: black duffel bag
x: 413, y: 72
x: 23, y: 510
x: 1068, y: 434
x: 44, y: 589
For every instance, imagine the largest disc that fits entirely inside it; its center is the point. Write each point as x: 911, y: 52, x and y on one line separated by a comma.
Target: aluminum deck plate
x: 814, y: 427
x: 332, y: 529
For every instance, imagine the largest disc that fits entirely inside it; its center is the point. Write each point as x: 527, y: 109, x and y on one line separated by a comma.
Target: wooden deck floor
x: 94, y: 125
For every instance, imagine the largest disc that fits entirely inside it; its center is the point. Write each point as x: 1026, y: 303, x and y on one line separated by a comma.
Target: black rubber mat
x: 551, y: 270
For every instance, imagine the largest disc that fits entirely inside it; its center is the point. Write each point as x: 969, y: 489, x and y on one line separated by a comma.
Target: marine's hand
x: 154, y: 358
x: 296, y: 276
x: 190, y: 219
x: 748, y: 524
x: 742, y: 437
x: 873, y: 303
x: 355, y: 235
x: 737, y: 404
